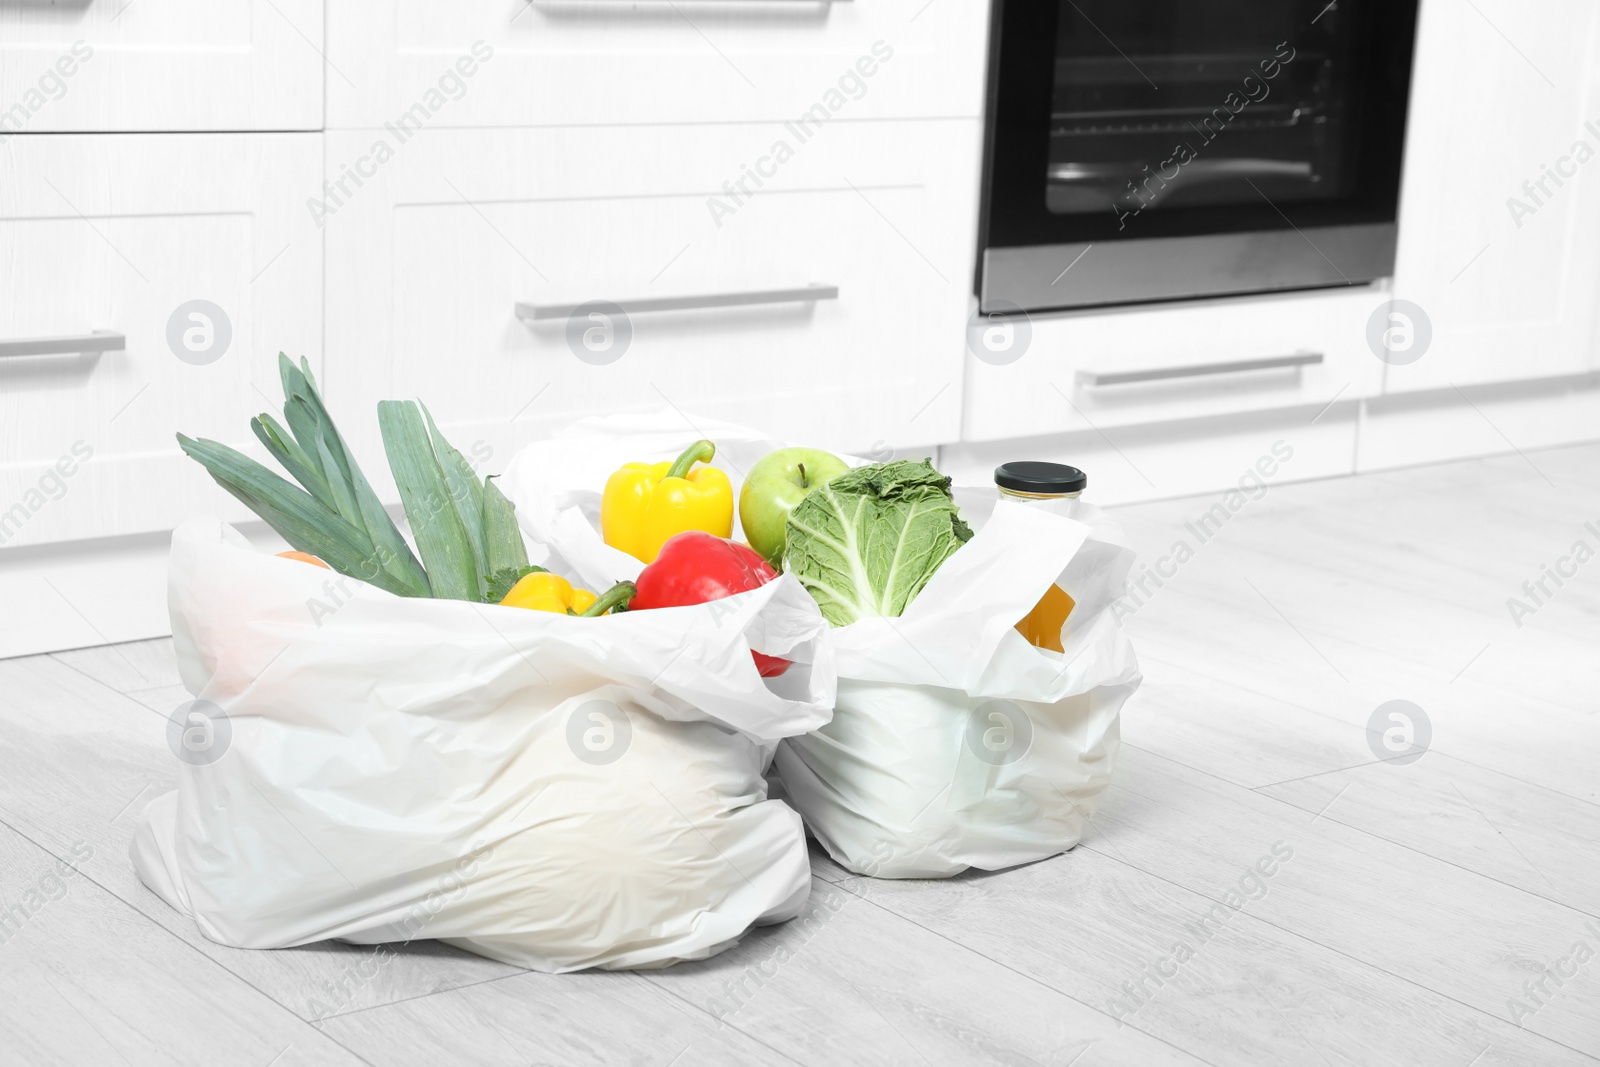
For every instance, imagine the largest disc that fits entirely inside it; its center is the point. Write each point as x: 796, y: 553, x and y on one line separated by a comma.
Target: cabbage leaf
x: 865, y: 542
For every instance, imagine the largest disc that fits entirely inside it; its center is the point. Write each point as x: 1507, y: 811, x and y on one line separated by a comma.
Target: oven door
x: 1143, y: 150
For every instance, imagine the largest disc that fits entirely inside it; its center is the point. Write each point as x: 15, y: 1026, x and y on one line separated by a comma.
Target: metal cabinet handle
x: 807, y: 294
x: 94, y: 341
x: 1129, y: 377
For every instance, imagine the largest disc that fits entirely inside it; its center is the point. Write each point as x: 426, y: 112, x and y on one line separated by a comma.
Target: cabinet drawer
x: 570, y: 62
x: 1147, y: 365
x: 97, y: 235
x: 430, y: 260
x: 110, y: 65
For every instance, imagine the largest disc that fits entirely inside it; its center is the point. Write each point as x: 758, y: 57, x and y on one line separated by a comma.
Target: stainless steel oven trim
x: 1084, y: 275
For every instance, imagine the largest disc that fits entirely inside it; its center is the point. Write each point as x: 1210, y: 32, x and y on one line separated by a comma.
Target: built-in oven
x: 1143, y: 150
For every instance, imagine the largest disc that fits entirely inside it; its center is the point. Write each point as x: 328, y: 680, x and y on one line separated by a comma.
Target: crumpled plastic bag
x: 552, y: 792
x: 954, y: 743
x: 556, y: 483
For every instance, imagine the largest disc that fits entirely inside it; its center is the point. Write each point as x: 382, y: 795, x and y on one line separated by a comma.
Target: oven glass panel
x: 1159, y: 106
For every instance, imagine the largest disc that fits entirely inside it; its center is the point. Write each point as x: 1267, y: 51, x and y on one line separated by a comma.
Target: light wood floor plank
x: 593, y: 1017
x: 1543, y: 842
x: 1433, y: 924
x: 1548, y: 657
x: 1482, y: 724
x: 85, y: 979
x: 127, y: 668
x: 1422, y: 574
x: 1248, y: 994
x: 1243, y: 736
x: 847, y: 982
x: 851, y: 982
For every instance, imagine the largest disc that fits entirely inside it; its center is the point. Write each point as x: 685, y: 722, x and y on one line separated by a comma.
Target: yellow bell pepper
x: 645, y: 504
x: 543, y: 591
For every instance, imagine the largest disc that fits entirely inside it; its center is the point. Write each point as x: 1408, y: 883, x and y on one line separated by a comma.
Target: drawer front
x: 1501, y: 192
x: 96, y: 235
x: 114, y: 66
x: 571, y: 62
x: 429, y: 262
x: 1163, y: 461
x: 1060, y: 373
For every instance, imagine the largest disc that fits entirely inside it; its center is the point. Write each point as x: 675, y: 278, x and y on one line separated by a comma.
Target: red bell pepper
x: 697, y: 568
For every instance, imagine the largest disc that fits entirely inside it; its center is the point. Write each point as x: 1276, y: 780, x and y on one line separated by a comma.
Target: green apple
x: 778, y: 481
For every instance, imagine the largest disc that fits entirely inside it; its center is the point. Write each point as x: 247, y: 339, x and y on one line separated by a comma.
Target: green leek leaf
x: 296, y: 515
x: 502, y: 537
x: 286, y: 450
x: 344, y: 498
x: 440, y: 536
x: 466, y: 494
x: 314, y: 427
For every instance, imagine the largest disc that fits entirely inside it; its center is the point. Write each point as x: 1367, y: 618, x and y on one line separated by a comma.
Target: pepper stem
x: 620, y: 593
x: 699, y: 452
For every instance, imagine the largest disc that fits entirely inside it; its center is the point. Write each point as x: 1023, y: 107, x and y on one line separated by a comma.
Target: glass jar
x: 1032, y: 480
x: 1036, y: 482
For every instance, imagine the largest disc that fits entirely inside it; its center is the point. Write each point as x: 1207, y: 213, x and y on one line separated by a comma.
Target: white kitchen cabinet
x: 1411, y: 429
x: 1197, y: 360
x: 97, y: 233
x: 111, y: 65
x: 1503, y: 92
x: 430, y: 257
x: 571, y: 62
x: 1183, y: 457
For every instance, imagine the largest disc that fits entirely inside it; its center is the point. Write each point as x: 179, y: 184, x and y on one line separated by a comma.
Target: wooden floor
x: 1426, y: 913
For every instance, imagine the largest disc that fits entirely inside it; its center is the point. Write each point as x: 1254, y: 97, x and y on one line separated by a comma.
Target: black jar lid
x: 1036, y: 476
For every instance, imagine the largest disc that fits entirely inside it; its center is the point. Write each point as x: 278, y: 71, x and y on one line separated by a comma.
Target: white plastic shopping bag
x: 553, y: 792
x: 556, y: 483
x: 954, y: 742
